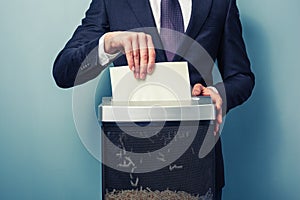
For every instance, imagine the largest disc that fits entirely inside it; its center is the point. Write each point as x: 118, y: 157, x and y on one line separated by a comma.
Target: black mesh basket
x: 187, y: 177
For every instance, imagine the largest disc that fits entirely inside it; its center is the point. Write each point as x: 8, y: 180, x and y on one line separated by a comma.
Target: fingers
x: 138, y: 48
x: 197, y: 89
x: 129, y: 53
x: 142, y: 39
x: 219, y: 119
x: 151, y: 55
x: 217, y: 100
x: 135, y: 57
x: 146, y: 56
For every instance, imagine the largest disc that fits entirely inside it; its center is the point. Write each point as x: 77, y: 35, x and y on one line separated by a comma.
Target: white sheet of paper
x: 169, y: 82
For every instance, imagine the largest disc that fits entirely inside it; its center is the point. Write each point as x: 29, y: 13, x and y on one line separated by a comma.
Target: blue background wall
x: 41, y: 156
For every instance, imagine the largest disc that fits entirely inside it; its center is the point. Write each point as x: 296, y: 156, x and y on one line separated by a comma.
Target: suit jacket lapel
x: 142, y: 11
x: 200, y: 11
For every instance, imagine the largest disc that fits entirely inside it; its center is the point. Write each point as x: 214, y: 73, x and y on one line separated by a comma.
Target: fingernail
x: 132, y: 68
x: 149, y: 71
x: 143, y: 76
x: 137, y: 75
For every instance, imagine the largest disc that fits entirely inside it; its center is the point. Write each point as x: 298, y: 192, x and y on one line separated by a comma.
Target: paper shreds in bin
x: 149, y: 195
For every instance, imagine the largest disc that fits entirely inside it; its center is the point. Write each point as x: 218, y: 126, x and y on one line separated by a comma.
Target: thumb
x: 197, y: 89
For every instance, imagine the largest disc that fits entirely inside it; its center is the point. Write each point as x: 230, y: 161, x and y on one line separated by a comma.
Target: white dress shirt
x: 186, y: 9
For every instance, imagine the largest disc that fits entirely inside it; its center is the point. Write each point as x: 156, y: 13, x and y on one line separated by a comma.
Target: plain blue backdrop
x: 42, y: 157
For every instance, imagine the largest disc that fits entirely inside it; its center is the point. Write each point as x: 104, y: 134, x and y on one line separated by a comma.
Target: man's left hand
x: 199, y: 89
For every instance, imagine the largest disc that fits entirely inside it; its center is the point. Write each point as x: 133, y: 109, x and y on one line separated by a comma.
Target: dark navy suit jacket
x: 214, y: 24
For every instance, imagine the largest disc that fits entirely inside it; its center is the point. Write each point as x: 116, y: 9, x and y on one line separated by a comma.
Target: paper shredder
x: 155, y: 146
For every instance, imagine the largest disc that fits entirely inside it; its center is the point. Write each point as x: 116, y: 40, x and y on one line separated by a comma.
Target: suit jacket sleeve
x: 233, y: 62
x: 78, y: 62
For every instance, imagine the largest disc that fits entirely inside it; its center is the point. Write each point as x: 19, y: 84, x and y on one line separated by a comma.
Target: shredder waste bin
x: 150, y: 150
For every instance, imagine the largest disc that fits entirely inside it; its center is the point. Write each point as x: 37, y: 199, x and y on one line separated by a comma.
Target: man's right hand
x: 138, y: 48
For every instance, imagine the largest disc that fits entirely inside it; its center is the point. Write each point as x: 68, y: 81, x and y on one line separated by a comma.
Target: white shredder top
x: 198, y: 108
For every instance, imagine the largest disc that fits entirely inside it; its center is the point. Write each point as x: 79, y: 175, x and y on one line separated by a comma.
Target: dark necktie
x: 171, y: 24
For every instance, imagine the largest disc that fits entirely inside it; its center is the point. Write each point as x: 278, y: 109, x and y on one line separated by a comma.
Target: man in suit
x: 117, y: 31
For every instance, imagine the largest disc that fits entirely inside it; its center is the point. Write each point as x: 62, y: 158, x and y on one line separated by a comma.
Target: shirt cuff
x: 105, y: 58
